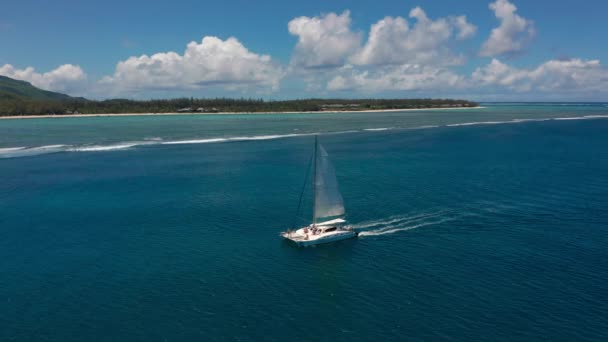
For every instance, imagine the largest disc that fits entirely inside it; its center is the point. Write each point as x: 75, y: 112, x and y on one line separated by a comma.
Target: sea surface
x: 476, y: 224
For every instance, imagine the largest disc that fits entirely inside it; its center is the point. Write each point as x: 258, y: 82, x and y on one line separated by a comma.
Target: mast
x: 314, y: 184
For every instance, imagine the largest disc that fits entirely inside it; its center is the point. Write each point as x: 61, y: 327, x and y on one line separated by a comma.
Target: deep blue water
x: 476, y: 232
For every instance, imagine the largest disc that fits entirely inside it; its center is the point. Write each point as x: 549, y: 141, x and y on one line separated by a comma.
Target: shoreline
x: 54, y: 116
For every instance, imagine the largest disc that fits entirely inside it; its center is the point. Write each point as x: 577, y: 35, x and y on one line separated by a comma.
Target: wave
x: 528, y: 120
x: 243, y: 138
x: 11, y: 149
x: 112, y: 147
x: 378, y: 129
x: 513, y: 121
x: 585, y: 117
x: 480, y: 123
x: 13, y: 152
x: 425, y: 127
x: 96, y: 148
x: 193, y: 141
x: 269, y: 137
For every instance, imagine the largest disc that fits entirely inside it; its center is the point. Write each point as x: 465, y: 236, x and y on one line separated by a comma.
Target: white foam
x: 98, y: 148
x: 239, y: 138
x: 425, y: 127
x: 570, y: 118
x: 10, y: 152
x: 194, y: 141
x: 47, y: 147
x: 586, y: 117
x: 10, y: 149
x: 13, y: 152
x: 479, y: 123
x: 398, y: 219
x: 528, y: 120
x: 266, y: 137
x: 378, y: 129
x: 399, y: 228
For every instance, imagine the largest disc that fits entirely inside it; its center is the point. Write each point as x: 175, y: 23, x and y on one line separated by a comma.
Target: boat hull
x: 312, y: 240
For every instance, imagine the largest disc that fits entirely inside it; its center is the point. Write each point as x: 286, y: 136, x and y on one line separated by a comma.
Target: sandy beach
x: 233, y: 113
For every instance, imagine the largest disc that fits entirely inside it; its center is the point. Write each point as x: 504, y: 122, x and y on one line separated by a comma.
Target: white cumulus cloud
x: 573, y: 76
x: 405, y: 77
x: 393, y: 41
x: 66, y: 78
x: 513, y: 33
x: 465, y: 29
x: 323, y: 41
x: 212, y: 62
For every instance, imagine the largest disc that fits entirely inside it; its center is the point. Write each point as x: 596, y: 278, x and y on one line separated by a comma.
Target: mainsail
x: 328, y: 200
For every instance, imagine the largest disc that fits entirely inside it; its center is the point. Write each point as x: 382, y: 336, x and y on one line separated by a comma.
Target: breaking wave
x: 378, y: 129
x: 14, y: 152
x: 96, y: 148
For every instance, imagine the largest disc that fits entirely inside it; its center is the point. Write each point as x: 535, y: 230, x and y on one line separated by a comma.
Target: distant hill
x: 15, y: 89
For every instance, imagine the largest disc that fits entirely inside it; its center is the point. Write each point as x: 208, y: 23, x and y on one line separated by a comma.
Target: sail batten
x: 328, y: 200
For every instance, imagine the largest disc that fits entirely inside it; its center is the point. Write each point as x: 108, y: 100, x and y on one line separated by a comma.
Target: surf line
x: 22, y: 151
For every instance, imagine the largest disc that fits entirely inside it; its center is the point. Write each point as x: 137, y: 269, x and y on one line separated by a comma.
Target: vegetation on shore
x: 21, y: 98
x: 13, y: 90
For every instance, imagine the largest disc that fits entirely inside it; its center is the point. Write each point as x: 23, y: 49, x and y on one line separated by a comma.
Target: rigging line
x: 293, y: 225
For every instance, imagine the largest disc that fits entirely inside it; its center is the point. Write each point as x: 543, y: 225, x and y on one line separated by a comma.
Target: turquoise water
x: 482, y: 224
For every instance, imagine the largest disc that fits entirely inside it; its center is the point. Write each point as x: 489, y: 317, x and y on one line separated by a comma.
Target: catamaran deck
x: 322, y: 233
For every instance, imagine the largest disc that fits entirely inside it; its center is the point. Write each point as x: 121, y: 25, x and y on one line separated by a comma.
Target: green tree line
x: 13, y: 105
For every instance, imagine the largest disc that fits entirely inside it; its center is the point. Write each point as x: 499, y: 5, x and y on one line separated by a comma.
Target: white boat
x: 328, y: 224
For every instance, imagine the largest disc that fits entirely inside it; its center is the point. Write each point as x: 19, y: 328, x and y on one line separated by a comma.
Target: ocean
x: 476, y: 224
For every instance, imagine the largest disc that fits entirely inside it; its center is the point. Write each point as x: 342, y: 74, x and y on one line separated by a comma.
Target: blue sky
x: 542, y: 50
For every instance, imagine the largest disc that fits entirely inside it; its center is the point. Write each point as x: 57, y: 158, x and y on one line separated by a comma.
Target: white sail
x: 327, y: 208
x: 328, y: 200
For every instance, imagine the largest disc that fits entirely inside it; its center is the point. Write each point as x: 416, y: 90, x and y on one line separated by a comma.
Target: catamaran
x: 328, y: 223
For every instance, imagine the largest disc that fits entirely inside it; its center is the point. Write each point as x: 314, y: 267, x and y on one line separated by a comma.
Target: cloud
x: 406, y: 77
x: 573, y: 76
x: 397, y: 55
x: 415, y: 54
x: 512, y: 35
x: 212, y: 62
x: 465, y: 29
x: 392, y: 41
x: 67, y: 78
x: 561, y: 79
x: 323, y: 41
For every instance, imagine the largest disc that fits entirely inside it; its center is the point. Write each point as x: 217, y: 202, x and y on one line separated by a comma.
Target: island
x: 19, y: 98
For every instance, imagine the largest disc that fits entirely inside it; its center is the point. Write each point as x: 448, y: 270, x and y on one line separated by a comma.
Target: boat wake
x: 401, y: 223
x: 391, y: 229
x: 398, y: 220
